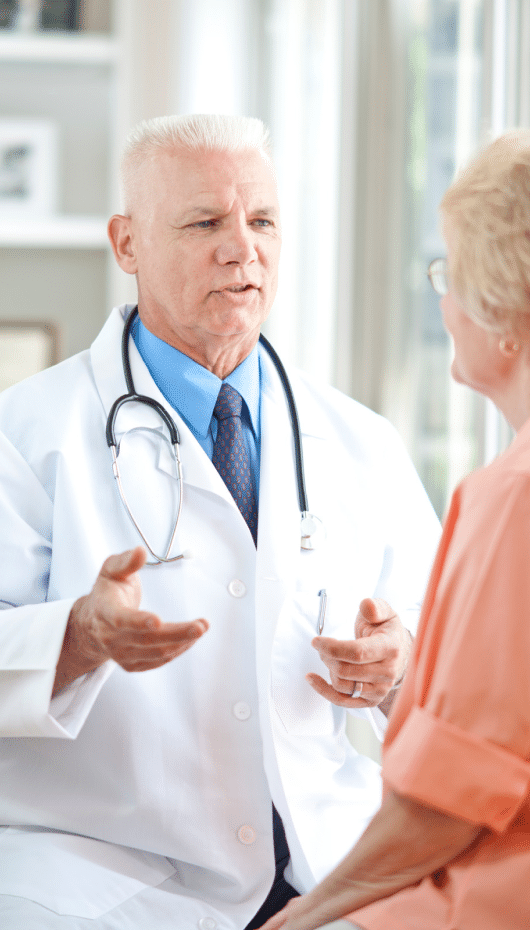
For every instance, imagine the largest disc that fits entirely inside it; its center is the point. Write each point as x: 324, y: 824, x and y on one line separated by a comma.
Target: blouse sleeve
x: 464, y: 744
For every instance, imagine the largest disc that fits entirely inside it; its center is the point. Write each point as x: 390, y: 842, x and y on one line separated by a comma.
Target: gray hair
x: 196, y: 132
x: 488, y: 208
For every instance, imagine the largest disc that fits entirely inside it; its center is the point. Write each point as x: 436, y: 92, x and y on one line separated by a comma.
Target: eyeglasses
x: 437, y: 274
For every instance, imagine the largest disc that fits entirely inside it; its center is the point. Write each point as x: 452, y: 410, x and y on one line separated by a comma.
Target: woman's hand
x: 299, y: 914
x: 404, y: 843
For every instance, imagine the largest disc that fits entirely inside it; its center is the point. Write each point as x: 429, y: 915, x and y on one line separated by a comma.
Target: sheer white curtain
x: 280, y: 60
x: 303, y: 64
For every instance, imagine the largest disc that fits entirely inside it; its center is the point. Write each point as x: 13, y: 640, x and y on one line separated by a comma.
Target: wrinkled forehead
x: 189, y: 178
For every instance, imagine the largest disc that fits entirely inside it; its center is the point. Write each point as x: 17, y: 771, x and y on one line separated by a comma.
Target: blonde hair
x: 196, y: 133
x: 488, y: 209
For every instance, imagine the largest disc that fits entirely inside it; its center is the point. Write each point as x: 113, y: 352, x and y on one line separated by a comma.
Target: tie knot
x: 228, y: 403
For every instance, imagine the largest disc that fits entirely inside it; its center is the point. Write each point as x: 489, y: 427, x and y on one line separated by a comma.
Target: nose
x: 237, y: 245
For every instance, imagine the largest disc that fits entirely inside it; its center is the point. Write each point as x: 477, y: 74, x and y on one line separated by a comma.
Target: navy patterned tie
x: 231, y: 459
x: 230, y: 455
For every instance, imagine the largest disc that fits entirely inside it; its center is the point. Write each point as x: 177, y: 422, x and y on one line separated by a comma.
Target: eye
x: 203, y: 224
x: 261, y: 222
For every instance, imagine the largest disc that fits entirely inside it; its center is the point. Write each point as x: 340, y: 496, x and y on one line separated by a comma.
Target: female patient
x: 450, y: 846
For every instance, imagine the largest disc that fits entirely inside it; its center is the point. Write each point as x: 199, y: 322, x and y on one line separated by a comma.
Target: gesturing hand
x: 377, y: 658
x: 107, y: 624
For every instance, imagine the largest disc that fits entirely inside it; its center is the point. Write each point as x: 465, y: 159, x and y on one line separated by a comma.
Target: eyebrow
x: 212, y: 211
x: 266, y: 211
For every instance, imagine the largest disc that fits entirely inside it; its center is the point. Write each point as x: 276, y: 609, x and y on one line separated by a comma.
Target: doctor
x: 175, y: 751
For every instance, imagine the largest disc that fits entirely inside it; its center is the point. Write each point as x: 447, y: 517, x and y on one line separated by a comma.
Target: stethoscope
x: 311, y: 526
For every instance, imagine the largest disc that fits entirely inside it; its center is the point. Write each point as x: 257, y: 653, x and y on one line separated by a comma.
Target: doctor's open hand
x: 372, y: 664
x: 107, y: 624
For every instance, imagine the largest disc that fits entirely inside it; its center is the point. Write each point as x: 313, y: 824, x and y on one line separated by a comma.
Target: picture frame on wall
x: 28, y: 168
x: 36, y: 15
x: 26, y: 347
x: 8, y: 14
x: 59, y: 15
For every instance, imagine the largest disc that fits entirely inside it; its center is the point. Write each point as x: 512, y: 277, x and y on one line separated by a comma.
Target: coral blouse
x: 459, y: 736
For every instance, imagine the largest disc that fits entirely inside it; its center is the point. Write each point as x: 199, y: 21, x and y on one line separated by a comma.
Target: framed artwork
x: 25, y: 349
x: 28, y: 168
x: 8, y: 14
x: 59, y: 14
x: 34, y: 15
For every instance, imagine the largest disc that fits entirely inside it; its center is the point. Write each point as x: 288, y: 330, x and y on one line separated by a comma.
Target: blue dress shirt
x: 192, y: 391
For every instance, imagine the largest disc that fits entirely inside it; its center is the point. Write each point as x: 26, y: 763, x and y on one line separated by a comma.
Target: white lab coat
x: 174, y: 769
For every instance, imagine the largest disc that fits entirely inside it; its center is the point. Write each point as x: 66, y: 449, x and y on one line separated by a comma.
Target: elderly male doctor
x: 174, y: 734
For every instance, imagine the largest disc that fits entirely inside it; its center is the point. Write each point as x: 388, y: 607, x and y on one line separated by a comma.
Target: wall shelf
x: 75, y: 48
x: 92, y: 85
x: 57, y: 232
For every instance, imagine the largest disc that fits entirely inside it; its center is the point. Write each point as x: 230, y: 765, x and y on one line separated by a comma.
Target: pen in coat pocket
x: 322, y: 610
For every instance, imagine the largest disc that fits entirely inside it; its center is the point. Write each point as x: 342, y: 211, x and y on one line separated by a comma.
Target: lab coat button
x: 207, y: 923
x: 237, y: 588
x: 246, y: 835
x: 241, y: 710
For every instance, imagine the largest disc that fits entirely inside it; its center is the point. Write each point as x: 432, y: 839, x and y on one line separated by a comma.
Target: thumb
x: 375, y: 610
x: 120, y: 567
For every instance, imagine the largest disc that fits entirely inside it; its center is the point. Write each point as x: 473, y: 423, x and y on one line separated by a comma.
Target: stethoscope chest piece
x: 312, y: 531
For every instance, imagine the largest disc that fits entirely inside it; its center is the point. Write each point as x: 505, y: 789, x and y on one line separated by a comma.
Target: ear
x: 121, y: 239
x: 509, y: 347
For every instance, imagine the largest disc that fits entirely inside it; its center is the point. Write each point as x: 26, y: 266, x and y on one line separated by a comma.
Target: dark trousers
x: 281, y: 891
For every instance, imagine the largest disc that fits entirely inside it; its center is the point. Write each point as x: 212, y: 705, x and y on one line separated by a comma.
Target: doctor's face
x: 204, y: 242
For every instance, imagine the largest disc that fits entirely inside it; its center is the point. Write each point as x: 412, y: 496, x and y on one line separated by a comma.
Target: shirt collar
x: 191, y: 389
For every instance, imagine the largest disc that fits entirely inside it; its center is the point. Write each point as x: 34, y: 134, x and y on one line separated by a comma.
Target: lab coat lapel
x: 279, y: 514
x: 198, y: 470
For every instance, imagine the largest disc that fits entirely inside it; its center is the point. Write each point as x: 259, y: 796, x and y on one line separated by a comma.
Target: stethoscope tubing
x: 132, y: 396
x: 295, y: 422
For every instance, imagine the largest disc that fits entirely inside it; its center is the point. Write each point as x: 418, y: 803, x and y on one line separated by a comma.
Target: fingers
x: 376, y: 617
x: 122, y: 566
x: 370, y: 695
x: 305, y: 913
x: 276, y: 922
x: 373, y: 661
x: 284, y: 917
x: 110, y: 625
x: 136, y: 645
x: 135, y: 628
x: 375, y: 610
x: 107, y: 624
x: 369, y: 650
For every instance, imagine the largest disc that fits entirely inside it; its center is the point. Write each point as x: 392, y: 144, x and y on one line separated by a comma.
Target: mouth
x: 237, y: 288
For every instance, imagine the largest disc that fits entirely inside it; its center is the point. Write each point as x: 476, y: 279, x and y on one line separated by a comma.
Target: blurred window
x: 464, y: 68
x: 443, y: 127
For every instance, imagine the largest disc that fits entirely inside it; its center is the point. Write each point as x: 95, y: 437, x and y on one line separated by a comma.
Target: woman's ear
x: 121, y: 239
x: 508, y: 347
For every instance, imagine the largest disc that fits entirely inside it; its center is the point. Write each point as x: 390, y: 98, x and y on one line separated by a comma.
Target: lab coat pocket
x: 301, y: 710
x: 74, y: 875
